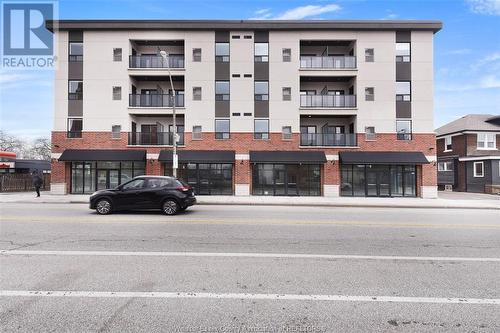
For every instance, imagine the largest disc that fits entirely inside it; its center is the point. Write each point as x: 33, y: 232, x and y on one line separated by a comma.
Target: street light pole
x: 174, y: 143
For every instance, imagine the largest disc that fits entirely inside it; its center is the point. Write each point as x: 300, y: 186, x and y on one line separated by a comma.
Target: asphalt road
x: 249, y: 269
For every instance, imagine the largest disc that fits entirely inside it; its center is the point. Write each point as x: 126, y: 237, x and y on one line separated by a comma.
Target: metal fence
x: 20, y: 182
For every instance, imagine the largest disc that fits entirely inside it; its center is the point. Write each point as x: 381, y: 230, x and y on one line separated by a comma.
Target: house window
x: 75, y: 90
x: 117, y: 54
x: 403, y: 91
x: 196, y: 134
x: 486, y: 141
x: 75, y: 51
x: 261, y: 52
x: 445, y: 166
x: 222, y: 129
x: 369, y: 55
x: 403, y: 129
x: 197, y: 55
x: 287, y: 55
x: 221, y: 52
x: 117, y: 93
x: 261, y: 129
x: 222, y: 90
x: 115, y: 131
x: 196, y: 93
x: 261, y: 90
x: 447, y: 143
x: 287, y: 93
x: 403, y: 52
x: 369, y: 94
x: 478, y: 169
x: 370, y: 134
x: 286, y: 132
x: 75, y: 126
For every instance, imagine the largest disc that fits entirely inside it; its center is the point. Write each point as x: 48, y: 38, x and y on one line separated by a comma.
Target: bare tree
x: 38, y: 149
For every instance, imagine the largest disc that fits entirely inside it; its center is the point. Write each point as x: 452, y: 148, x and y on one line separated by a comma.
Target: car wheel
x: 170, y: 207
x: 103, y: 207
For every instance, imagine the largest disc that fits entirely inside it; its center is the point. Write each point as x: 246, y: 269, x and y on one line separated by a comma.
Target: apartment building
x: 468, y: 154
x: 307, y: 108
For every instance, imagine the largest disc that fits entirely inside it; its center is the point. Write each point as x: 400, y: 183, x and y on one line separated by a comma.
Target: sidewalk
x: 445, y: 200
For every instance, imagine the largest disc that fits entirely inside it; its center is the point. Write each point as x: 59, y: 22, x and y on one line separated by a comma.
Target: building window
x: 403, y: 129
x: 221, y: 52
x: 286, y: 132
x: 403, y: 91
x: 196, y: 93
x: 75, y: 51
x: 286, y: 179
x: 261, y: 90
x: 287, y: 55
x: 222, y: 90
x: 370, y: 134
x: 75, y: 90
x: 261, y: 52
x: 235, y: 36
x: 369, y: 55
x: 117, y: 93
x: 75, y: 126
x: 115, y: 131
x: 445, y: 166
x: 478, y: 169
x: 197, y: 55
x: 196, y: 134
x: 486, y: 141
x: 261, y: 129
x: 117, y: 54
x: 287, y: 93
x: 403, y: 52
x: 247, y: 37
x: 222, y: 129
x: 447, y: 143
x: 369, y: 94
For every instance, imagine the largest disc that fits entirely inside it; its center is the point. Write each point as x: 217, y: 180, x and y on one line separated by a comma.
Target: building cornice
x: 430, y: 25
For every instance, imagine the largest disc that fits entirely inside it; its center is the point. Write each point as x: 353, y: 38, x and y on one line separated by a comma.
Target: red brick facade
x: 242, y: 143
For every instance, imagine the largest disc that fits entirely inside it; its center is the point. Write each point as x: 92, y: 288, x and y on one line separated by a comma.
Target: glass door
x: 107, y: 179
x: 292, y: 172
x: 384, y: 181
x: 113, y: 178
x: 371, y: 181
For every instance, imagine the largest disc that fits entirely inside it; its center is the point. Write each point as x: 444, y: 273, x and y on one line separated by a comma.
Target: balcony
x: 328, y: 139
x: 149, y: 61
x: 154, y: 138
x: 328, y: 62
x: 328, y: 101
x: 155, y: 100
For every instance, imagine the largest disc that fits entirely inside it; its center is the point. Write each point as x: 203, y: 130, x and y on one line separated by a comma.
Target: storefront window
x: 206, y: 178
x: 378, y: 180
x: 286, y: 179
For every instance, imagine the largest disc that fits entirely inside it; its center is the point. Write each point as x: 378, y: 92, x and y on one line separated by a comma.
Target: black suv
x: 145, y: 192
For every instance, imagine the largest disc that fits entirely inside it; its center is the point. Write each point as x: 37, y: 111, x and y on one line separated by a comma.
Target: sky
x: 466, y: 50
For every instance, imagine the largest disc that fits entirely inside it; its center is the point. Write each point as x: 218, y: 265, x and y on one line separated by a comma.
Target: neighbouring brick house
x: 468, y: 154
x: 263, y: 107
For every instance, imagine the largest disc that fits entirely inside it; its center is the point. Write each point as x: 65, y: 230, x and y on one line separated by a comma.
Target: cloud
x: 485, y: 7
x: 490, y: 81
x: 390, y: 15
x: 297, y: 13
x: 458, y: 51
x: 491, y: 60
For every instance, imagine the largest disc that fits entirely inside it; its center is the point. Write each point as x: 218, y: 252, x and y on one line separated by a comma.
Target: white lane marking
x: 290, y: 297
x: 239, y: 255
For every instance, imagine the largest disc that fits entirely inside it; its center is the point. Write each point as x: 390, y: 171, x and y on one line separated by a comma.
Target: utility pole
x: 175, y: 161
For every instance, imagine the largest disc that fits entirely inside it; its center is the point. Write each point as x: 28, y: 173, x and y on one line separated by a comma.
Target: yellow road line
x: 168, y: 220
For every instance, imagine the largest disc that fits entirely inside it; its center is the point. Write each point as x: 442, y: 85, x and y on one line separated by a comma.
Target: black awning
x: 199, y: 156
x: 382, y: 157
x: 288, y: 157
x: 102, y: 155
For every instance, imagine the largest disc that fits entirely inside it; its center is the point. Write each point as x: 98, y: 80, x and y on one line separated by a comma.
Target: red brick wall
x: 242, y: 143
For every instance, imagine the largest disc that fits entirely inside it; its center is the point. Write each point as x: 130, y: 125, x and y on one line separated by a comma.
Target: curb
x: 341, y: 205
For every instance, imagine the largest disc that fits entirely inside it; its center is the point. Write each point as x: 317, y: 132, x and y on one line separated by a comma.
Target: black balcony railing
x: 328, y: 101
x: 153, y: 138
x: 155, y: 100
x: 327, y: 139
x: 328, y: 62
x: 174, y: 61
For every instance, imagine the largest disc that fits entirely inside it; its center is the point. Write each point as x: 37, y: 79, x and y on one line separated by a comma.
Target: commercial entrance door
x: 377, y: 181
x: 107, y: 179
